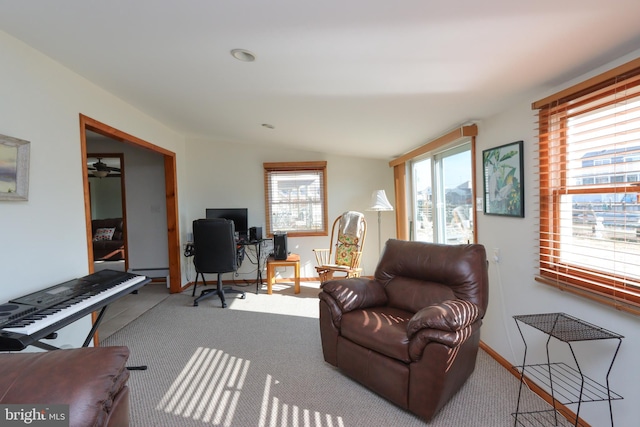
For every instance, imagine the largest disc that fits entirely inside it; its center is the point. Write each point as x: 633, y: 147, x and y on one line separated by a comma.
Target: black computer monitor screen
x: 239, y: 216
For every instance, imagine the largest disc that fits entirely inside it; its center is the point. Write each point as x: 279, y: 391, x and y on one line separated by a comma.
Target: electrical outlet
x: 496, y: 255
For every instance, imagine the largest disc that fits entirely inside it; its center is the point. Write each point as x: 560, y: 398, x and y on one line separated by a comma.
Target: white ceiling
x: 367, y: 77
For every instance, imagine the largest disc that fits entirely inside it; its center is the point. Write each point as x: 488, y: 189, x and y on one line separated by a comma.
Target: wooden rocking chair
x: 344, y: 253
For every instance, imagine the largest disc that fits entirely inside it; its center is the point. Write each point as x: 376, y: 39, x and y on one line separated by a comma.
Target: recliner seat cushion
x: 381, y: 329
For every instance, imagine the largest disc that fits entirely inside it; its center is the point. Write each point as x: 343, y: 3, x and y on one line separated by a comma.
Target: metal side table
x: 566, y: 384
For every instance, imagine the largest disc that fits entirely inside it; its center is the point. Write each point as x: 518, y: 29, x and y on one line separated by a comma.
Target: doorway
x: 108, y: 210
x: 170, y: 189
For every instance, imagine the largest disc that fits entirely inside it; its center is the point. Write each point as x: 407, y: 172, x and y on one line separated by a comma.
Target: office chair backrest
x: 215, y: 246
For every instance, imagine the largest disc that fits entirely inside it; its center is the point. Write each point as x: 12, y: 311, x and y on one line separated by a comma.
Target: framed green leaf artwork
x: 503, y: 180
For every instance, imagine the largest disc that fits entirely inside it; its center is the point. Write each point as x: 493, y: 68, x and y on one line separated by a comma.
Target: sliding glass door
x: 422, y: 226
x: 442, y: 196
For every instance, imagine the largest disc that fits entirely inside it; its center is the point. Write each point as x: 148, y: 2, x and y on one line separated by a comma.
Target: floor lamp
x: 379, y: 203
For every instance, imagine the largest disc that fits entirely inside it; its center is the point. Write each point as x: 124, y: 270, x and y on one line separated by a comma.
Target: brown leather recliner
x: 412, y: 333
x: 91, y: 380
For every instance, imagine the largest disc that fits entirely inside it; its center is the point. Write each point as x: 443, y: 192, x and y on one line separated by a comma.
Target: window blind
x: 295, y: 198
x: 589, y: 183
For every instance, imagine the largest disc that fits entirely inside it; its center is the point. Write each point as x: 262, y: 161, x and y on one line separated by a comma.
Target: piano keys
x: 26, y: 320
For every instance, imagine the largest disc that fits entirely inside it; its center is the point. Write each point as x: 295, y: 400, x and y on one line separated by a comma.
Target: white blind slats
x: 295, y: 198
x: 589, y: 157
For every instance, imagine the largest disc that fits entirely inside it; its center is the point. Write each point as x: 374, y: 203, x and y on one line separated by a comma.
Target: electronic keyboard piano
x: 26, y: 320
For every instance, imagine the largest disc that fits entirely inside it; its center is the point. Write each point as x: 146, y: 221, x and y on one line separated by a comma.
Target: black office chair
x: 215, y: 252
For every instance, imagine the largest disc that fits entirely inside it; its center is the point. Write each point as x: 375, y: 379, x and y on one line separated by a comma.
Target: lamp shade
x: 379, y: 201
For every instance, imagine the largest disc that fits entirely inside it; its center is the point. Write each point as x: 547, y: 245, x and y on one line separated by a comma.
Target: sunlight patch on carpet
x: 274, y: 413
x: 208, y: 388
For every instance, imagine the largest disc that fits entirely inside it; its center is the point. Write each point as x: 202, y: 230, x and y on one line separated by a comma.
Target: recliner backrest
x: 417, y: 274
x: 215, y: 245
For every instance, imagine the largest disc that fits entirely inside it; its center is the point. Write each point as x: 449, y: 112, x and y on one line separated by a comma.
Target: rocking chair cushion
x: 346, y: 250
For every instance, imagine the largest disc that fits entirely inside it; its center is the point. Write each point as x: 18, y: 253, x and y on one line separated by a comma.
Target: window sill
x: 593, y: 296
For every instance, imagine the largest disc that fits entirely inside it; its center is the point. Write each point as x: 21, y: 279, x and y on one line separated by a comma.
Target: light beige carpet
x: 259, y: 363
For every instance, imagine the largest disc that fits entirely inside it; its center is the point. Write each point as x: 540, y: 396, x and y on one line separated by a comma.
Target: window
x: 296, y: 198
x: 589, y: 145
x: 442, y: 196
x: 434, y: 186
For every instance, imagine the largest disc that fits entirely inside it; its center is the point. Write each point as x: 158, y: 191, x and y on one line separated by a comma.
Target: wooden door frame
x: 171, y: 193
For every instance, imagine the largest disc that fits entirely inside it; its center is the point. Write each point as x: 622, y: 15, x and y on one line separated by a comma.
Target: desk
x: 257, y: 246
x: 240, y: 254
x: 292, y: 260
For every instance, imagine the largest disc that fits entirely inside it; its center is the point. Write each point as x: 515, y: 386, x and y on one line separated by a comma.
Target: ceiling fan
x: 101, y: 169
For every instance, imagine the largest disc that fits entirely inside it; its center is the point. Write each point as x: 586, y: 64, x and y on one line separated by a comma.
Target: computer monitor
x: 239, y: 216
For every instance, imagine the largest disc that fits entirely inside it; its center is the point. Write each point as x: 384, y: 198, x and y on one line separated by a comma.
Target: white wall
x: 44, y: 239
x: 224, y: 175
x: 106, y: 197
x: 514, y: 291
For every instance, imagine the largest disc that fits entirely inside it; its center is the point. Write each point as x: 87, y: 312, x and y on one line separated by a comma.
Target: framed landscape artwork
x: 14, y: 168
x: 502, y: 179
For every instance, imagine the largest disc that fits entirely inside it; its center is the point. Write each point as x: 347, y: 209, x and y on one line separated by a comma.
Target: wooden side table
x: 292, y: 260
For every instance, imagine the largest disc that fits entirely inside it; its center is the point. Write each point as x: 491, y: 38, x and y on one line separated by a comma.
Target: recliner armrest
x: 355, y: 293
x: 451, y: 316
x: 452, y: 339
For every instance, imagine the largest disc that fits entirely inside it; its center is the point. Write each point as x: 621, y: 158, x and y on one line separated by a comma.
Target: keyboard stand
x: 96, y: 324
x: 44, y: 345
x: 87, y: 341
